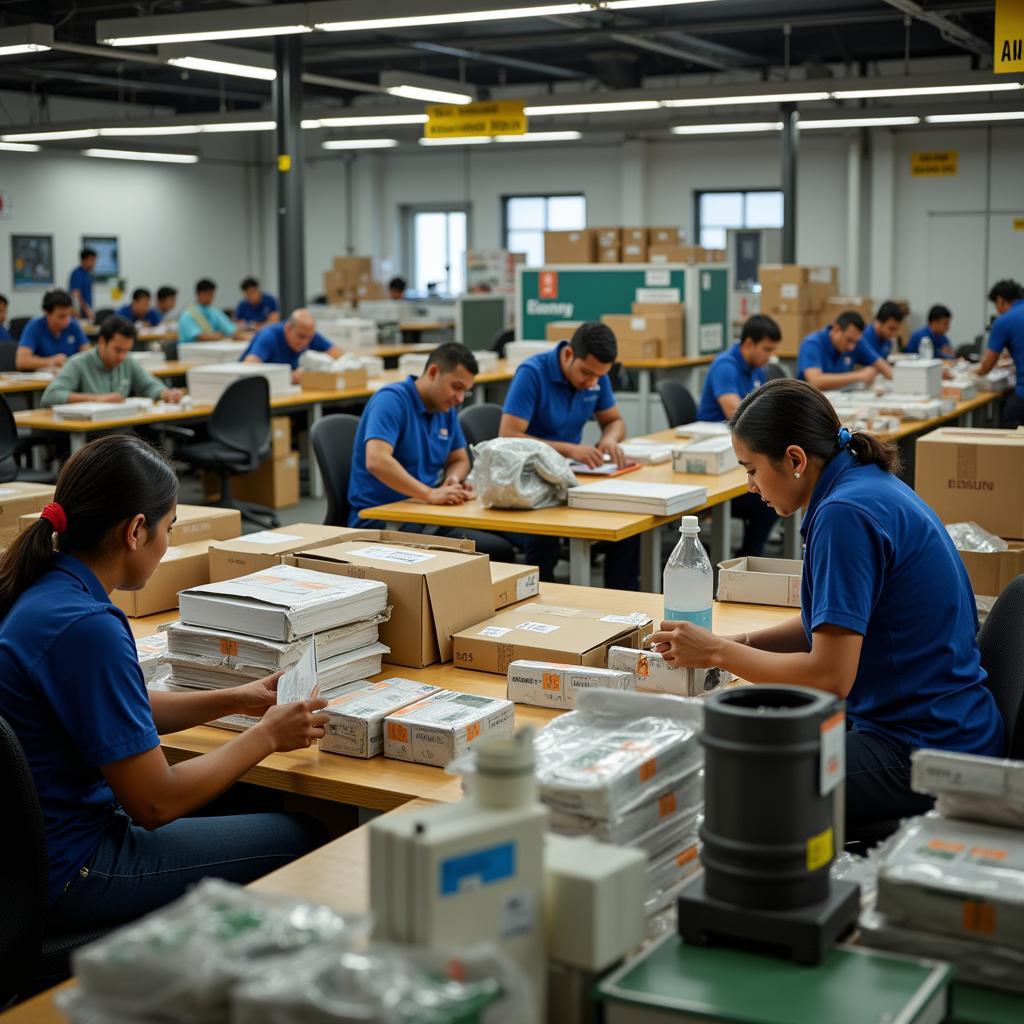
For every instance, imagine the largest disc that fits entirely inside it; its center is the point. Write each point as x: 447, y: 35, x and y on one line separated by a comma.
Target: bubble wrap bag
x: 518, y: 472
x: 972, y: 537
x: 321, y: 362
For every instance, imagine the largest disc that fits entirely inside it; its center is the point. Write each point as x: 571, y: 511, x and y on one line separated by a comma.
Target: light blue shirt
x: 189, y: 328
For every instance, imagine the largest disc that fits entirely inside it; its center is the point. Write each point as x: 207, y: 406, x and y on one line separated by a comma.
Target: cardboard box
x: 648, y: 334
x: 275, y: 484
x: 182, y: 567
x: 570, y: 246
x: 664, y: 236
x: 991, y: 571
x: 760, y: 581
x: 608, y: 254
x: 512, y: 583
x: 17, y: 500
x: 608, y: 238
x: 538, y: 632
x: 312, y: 380
x: 634, y: 245
x: 862, y: 304
x: 280, y: 436
x: 711, y: 456
x: 547, y: 684
x: 974, y: 475
x: 652, y: 674
x: 245, y: 555
x: 434, y: 589
x: 560, y: 330
x: 795, y: 327
x: 795, y: 288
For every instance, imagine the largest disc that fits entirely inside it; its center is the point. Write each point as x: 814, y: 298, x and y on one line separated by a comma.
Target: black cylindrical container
x: 767, y: 833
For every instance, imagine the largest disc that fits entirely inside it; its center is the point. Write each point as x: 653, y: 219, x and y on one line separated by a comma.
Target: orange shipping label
x: 648, y: 769
x: 229, y: 647
x: 552, y: 681
x: 472, y: 731
x: 979, y: 917
x: 667, y: 805
x: 397, y: 732
x: 686, y: 856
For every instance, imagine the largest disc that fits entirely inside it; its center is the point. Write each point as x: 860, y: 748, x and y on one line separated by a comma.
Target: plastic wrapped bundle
x: 321, y: 362
x: 519, y: 472
x: 972, y: 537
x: 971, y: 787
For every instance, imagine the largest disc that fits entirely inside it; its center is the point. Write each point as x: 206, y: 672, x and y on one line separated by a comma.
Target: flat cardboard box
x: 182, y: 567
x: 16, y: 500
x: 275, y: 484
x: 752, y: 580
x: 537, y: 632
x: 570, y: 246
x: 245, y: 555
x: 312, y: 380
x: 974, y: 475
x: 652, y: 674
x: 548, y: 684
x: 560, y: 330
x: 512, y: 583
x: 711, y: 456
x: 663, y: 236
x: 992, y: 571
x: 280, y: 436
x: 435, y: 590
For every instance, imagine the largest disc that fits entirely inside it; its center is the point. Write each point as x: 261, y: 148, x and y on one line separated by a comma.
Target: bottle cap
x: 689, y: 524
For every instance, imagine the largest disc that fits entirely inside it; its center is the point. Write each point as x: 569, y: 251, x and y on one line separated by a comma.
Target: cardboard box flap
x: 428, y: 541
x: 283, y: 540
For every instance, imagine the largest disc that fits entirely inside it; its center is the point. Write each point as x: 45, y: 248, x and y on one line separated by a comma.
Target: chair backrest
x: 241, y: 419
x: 501, y: 339
x: 170, y: 349
x: 679, y: 404
x: 17, y: 325
x: 480, y: 422
x: 22, y: 867
x: 8, y: 356
x: 1001, y: 641
x: 333, y: 439
x: 775, y: 371
x: 969, y: 350
x: 8, y: 430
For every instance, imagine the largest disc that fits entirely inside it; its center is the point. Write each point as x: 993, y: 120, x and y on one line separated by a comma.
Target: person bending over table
x: 140, y: 310
x: 48, y: 341
x: 256, y: 307
x: 883, y: 331
x: 106, y: 373
x: 552, y: 397
x: 1007, y: 333
x: 120, y: 840
x: 875, y: 557
x: 203, y: 321
x: 284, y: 343
x: 166, y: 299
x: 827, y: 357
x: 937, y: 329
x: 410, y: 445
x: 5, y: 334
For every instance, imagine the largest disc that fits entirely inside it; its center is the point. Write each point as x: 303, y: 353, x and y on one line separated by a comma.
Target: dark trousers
x: 758, y: 520
x: 621, y: 560
x: 878, y: 781
x: 495, y: 545
x: 1013, y: 412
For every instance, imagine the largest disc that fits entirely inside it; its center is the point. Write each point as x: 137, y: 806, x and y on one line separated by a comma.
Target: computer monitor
x: 108, y: 256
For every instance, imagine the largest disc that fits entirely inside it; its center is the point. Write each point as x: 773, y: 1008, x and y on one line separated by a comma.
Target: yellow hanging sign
x: 934, y: 165
x: 1008, y: 57
x: 471, y: 120
x: 1018, y: 223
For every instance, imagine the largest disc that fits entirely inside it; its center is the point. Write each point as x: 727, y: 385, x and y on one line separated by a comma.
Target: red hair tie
x: 56, y: 515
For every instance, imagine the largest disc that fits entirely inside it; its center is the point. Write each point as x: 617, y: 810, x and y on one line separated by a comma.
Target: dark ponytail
x: 101, y: 486
x: 787, y: 412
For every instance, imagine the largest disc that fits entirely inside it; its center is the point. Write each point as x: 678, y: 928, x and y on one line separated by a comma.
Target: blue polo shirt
x: 870, y: 337
x: 81, y: 281
x: 1008, y: 332
x: 256, y: 312
x: 876, y: 556
x: 940, y: 342
x: 554, y: 410
x: 730, y: 374
x: 152, y: 316
x: 422, y: 441
x: 271, y: 346
x: 73, y: 692
x: 41, y: 341
x: 818, y: 353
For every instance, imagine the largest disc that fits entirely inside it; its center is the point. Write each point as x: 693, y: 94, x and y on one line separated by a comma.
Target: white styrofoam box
x: 211, y: 351
x: 149, y: 360
x: 349, y: 332
x: 485, y: 360
x: 710, y: 455
x: 207, y: 383
x: 374, y: 364
x: 960, y: 388
x: 412, y: 363
x: 517, y: 352
x: 998, y: 379
x: 918, y: 377
x: 703, y: 428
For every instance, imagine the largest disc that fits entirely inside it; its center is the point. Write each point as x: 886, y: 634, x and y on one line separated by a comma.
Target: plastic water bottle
x: 688, y: 578
x: 926, y: 350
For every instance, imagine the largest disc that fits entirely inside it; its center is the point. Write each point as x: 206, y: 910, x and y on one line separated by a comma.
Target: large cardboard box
x: 609, y: 255
x: 275, y: 483
x: 608, y: 238
x: 647, y: 335
x: 570, y: 246
x: 280, y: 436
x: 511, y: 583
x: 991, y: 571
x: 234, y: 558
x: 795, y: 288
x: 974, y: 475
x: 182, y: 567
x: 863, y: 304
x: 634, y: 245
x: 17, y: 500
x: 664, y: 236
x: 313, y: 380
x: 795, y: 327
x: 561, y: 330
x: 434, y: 589
x: 538, y: 632
x: 760, y: 581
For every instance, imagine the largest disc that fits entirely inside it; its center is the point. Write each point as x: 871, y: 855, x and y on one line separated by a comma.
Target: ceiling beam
x: 690, y: 49
x: 550, y: 70
x: 950, y: 31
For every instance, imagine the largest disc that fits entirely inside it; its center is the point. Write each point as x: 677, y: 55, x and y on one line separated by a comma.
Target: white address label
x: 537, y: 627
x: 399, y: 556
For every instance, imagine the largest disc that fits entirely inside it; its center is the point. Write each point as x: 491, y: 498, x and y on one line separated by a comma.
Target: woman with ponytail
x: 887, y: 622
x: 118, y: 839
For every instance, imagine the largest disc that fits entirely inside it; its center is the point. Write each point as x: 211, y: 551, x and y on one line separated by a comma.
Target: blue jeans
x: 134, y: 871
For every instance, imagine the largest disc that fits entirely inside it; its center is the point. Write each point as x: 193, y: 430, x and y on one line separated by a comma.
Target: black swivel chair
x: 29, y: 961
x: 971, y: 350
x: 480, y: 422
x: 1001, y: 642
x: 8, y: 356
x: 678, y: 403
x: 17, y: 325
x: 239, y: 442
x: 333, y: 439
x: 11, y: 445
x: 775, y: 371
x: 501, y: 339
x: 170, y: 349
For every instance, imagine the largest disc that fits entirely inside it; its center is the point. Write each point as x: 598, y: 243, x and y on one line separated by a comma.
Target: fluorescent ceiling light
x: 33, y: 38
x: 197, y: 37
x: 415, y: 92
x: 77, y: 133
x: 9, y: 51
x: 373, y: 120
x: 995, y: 115
x: 727, y: 129
x: 19, y: 147
x: 924, y: 90
x: 860, y: 122
x: 725, y: 101
x: 470, y: 140
x: 592, y: 108
x: 360, y: 144
x: 127, y: 154
x: 166, y: 129
x: 240, y: 126
x: 540, y: 137
x: 223, y: 67
x: 427, y: 88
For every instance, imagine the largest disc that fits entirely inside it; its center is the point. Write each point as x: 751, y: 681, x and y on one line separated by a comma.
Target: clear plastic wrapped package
x: 972, y: 537
x: 971, y: 787
x: 519, y: 472
x: 321, y: 362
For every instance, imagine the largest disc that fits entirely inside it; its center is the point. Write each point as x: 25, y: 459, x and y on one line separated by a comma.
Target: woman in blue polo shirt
x: 879, y: 572
x: 118, y: 842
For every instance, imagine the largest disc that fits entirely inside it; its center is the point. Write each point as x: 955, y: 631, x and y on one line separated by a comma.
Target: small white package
x: 654, y: 675
x: 709, y: 455
x: 546, y: 684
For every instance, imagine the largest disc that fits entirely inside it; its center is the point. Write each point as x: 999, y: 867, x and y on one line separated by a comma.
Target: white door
x: 957, y: 271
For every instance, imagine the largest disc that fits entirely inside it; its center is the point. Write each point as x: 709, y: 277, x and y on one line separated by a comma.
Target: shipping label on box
x: 547, y: 684
x: 512, y: 583
x: 280, y: 436
x: 752, y: 580
x: 653, y: 674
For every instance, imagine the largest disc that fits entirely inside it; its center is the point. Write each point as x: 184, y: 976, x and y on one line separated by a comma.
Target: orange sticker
x: 547, y: 282
x: 398, y: 732
x: 552, y: 681
x: 643, y: 666
x: 648, y: 769
x: 472, y: 731
x: 988, y: 854
x: 945, y: 845
x: 667, y: 805
x: 979, y: 916
x: 229, y: 647
x: 686, y: 856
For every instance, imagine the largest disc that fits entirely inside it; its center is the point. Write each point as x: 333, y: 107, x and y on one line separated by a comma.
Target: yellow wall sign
x: 1018, y: 223
x: 500, y: 117
x: 1008, y: 57
x: 934, y: 165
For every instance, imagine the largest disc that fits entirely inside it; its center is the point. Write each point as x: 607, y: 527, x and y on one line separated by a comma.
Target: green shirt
x: 86, y: 373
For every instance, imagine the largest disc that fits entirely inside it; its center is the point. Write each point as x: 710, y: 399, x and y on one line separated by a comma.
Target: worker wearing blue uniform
x: 80, y: 283
x: 284, y: 343
x: 5, y: 334
x: 48, y: 341
x: 937, y: 331
x: 1007, y: 334
x: 203, y: 321
x: 140, y: 309
x: 882, y: 332
x: 874, y: 553
x: 257, y: 307
x: 827, y: 357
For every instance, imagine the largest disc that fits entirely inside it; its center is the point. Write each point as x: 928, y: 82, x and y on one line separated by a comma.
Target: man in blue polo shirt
x: 284, y: 343
x: 50, y: 340
x: 552, y: 397
x: 140, y: 310
x: 1008, y: 333
x: 409, y: 444
x: 937, y: 330
x: 257, y: 307
x: 80, y: 283
x: 827, y: 357
x: 5, y: 334
x: 883, y: 331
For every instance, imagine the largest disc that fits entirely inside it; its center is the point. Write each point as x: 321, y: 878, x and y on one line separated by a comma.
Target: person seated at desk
x: 409, y: 444
x: 140, y: 309
x: 875, y: 555
x: 827, y: 357
x: 49, y: 340
x: 1007, y: 334
x: 121, y: 838
x: 5, y: 335
x: 203, y: 321
x: 552, y: 397
x: 257, y: 307
x: 733, y: 375
x: 106, y: 374
x: 937, y: 329
x: 883, y: 331
x: 284, y: 343
x: 166, y: 300
x: 80, y: 283
x: 396, y: 288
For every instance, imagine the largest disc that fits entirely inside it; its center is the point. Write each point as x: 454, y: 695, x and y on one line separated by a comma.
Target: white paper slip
x: 398, y: 555
x: 270, y: 537
x: 299, y: 682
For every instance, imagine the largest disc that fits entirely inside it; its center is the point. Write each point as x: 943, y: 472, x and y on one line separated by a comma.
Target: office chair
x: 8, y: 356
x: 170, y: 349
x: 29, y: 961
x: 99, y: 315
x: 11, y: 446
x: 971, y: 350
x: 501, y: 339
x: 239, y: 442
x: 333, y: 438
x: 480, y: 422
x: 679, y: 404
x: 17, y: 325
x: 775, y: 371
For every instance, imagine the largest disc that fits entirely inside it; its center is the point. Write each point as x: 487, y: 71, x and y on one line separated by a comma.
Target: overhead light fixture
x: 924, y: 90
x: 540, y: 137
x: 25, y: 39
x: 144, y: 130
x: 192, y: 27
x: 725, y: 101
x: 360, y: 144
x: 223, y: 67
x: 859, y: 122
x: 727, y: 129
x: 55, y: 136
x: 994, y: 115
x: 198, y: 37
x: 415, y: 92
x: 369, y: 121
x: 470, y: 140
x: 128, y: 154
x: 411, y: 86
x: 19, y: 147
x: 240, y: 126
x: 611, y: 107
